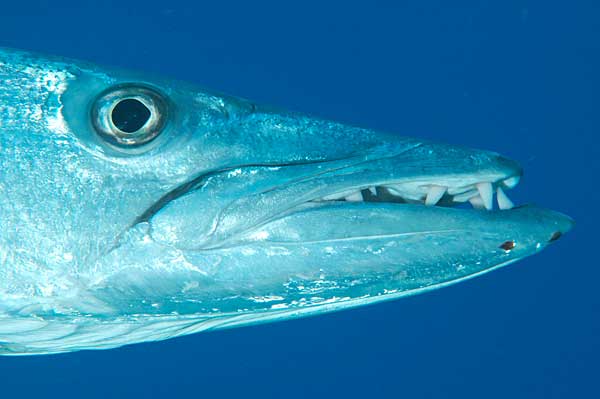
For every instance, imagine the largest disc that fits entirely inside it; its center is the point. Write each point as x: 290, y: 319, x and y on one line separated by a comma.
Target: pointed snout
x: 544, y: 224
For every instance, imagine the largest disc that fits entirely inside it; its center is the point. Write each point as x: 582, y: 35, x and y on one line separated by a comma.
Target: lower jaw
x: 338, y: 220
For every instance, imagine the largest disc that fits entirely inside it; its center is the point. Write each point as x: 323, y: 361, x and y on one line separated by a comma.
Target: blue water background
x: 518, y: 77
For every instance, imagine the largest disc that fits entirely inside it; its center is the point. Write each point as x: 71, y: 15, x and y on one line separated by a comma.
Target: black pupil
x: 130, y: 115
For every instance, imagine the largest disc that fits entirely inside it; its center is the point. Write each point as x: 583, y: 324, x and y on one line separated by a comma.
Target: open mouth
x: 480, y: 195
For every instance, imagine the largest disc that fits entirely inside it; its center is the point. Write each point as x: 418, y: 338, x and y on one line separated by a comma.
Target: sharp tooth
x: 487, y: 194
x: 465, y: 196
x: 434, y: 195
x: 503, y: 201
x: 354, y: 197
x: 477, y: 202
x: 373, y: 190
x: 511, y: 182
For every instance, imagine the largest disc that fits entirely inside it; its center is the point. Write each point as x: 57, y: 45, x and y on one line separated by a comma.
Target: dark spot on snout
x: 555, y: 236
x: 508, y: 245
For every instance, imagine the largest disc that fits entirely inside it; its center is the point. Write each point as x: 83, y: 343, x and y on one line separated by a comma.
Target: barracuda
x: 136, y: 209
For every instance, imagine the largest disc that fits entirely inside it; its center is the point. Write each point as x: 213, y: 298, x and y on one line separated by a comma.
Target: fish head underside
x: 136, y: 209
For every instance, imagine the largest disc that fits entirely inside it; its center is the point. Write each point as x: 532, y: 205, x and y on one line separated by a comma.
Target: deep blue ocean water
x: 518, y: 77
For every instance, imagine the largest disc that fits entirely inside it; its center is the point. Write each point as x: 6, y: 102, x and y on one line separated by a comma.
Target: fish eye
x: 129, y: 115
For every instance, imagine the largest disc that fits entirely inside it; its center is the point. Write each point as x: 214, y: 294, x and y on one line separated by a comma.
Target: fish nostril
x: 508, y: 245
x: 555, y: 236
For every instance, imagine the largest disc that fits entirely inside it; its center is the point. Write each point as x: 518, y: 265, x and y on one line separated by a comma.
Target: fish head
x: 127, y: 195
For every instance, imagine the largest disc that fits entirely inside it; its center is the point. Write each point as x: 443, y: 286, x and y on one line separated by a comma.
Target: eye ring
x: 129, y: 115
